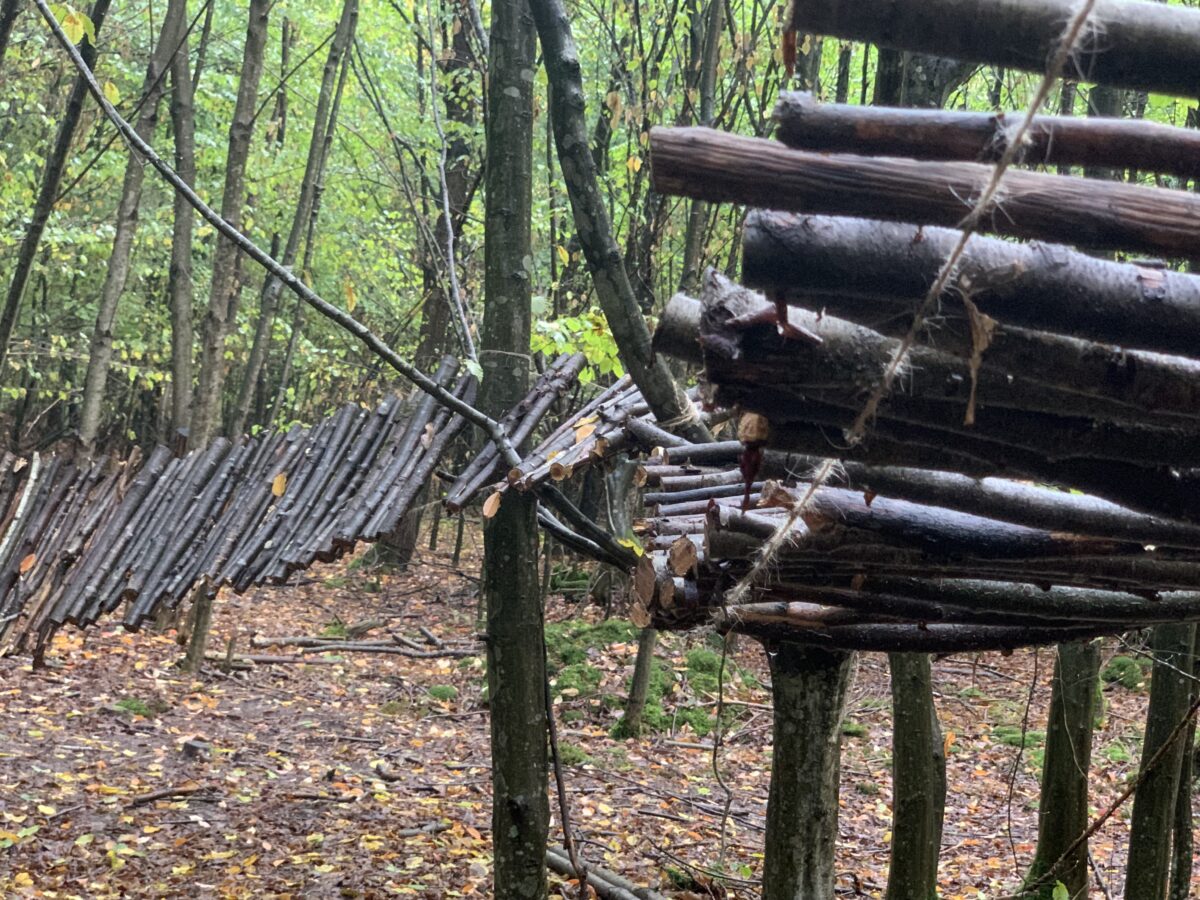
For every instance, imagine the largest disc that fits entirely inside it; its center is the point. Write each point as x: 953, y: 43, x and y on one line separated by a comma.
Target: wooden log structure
x: 709, y: 165
x: 943, y: 135
x: 1141, y: 45
x: 77, y: 541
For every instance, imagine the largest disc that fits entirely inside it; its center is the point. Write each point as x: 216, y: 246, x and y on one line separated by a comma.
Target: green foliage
x: 135, y: 706
x: 854, y: 729
x: 334, y: 630
x: 587, y: 334
x: 443, y: 692
x: 1012, y: 736
x: 573, y: 755
x: 1126, y: 671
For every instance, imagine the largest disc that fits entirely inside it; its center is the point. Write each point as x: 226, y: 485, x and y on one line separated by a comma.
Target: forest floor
x: 366, y: 775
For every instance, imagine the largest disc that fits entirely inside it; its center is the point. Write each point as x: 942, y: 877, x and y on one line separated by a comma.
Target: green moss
x: 1117, y: 753
x: 1126, y: 671
x: 135, y: 706
x: 870, y: 788
x: 392, y: 708
x: 443, y: 692
x: 854, y: 729
x: 572, y: 755
x: 1011, y: 736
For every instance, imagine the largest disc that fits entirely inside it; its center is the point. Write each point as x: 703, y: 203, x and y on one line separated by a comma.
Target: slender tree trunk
x: 643, y: 666
x: 515, y: 649
x: 199, y: 622
x: 1149, y: 867
x: 693, y: 242
x: 1182, y: 839
x: 206, y: 403
x: 1063, y: 803
x: 613, y: 290
x: 183, y: 122
x: 324, y: 123
x: 48, y: 191
x: 842, y: 90
x: 808, y: 685
x: 918, y: 780
x: 100, y: 350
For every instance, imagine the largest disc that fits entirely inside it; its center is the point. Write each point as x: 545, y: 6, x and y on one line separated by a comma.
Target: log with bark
x: 1141, y: 45
x: 935, y: 134
x: 1038, y: 286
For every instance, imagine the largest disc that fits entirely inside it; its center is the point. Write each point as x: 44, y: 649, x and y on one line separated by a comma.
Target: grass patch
x: 855, y: 729
x: 573, y: 755
x: 147, y: 709
x: 443, y: 692
x: 334, y: 630
x: 392, y: 708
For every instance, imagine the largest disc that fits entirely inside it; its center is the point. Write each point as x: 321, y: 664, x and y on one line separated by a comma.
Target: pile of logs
x: 1034, y: 475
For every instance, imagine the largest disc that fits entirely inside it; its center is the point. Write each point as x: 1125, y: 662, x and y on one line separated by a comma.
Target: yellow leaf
x: 279, y: 485
x: 632, y: 545
x: 491, y: 505
x: 46, y: 809
x: 23, y: 879
x: 583, y: 432
x: 111, y: 92
x: 948, y: 742
x: 72, y: 24
x: 563, y: 256
x: 351, y: 297
x: 634, y: 164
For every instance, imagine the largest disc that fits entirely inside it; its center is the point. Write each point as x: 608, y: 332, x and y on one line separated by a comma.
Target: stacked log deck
x: 1033, y: 475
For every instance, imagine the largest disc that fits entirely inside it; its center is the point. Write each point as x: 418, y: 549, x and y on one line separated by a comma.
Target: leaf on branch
x: 111, y: 92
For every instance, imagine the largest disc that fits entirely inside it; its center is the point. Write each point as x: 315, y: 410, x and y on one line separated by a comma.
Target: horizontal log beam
x: 1145, y: 46
x: 717, y: 167
x: 934, y: 134
x: 1039, y: 286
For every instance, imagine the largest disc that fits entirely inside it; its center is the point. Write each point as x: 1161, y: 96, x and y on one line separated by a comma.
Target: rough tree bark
x: 206, y: 405
x: 808, y: 685
x: 671, y: 407
x: 1063, y: 803
x: 515, y: 650
x: 1149, y: 867
x: 48, y: 191
x: 183, y: 122
x: 1182, y: 838
x: 100, y: 349
x: 918, y: 780
x: 8, y: 17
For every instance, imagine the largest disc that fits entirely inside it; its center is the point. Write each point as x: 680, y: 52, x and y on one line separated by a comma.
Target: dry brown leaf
x: 491, y: 505
x: 279, y: 485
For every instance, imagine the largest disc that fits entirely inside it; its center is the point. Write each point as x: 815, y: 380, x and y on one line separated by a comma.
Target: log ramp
x: 1034, y: 477
x: 80, y: 539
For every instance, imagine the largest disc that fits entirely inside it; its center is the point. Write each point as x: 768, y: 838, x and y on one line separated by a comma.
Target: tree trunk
x: 694, y: 237
x: 100, y: 350
x: 199, y: 623
x: 809, y: 686
x: 515, y: 645
x: 1149, y: 866
x: 1182, y: 839
x: 48, y: 191
x: 631, y: 723
x: 324, y: 123
x: 671, y: 407
x: 206, y: 406
x: 183, y: 122
x: 918, y: 780
x: 1063, y: 802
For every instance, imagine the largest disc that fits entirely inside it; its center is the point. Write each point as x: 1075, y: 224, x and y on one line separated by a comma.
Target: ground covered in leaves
x: 366, y: 774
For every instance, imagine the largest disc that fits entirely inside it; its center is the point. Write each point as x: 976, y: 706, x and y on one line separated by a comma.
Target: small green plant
x: 335, y: 629
x: 1117, y: 753
x: 135, y: 706
x: 443, y: 692
x: 1126, y: 671
x: 855, y: 729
